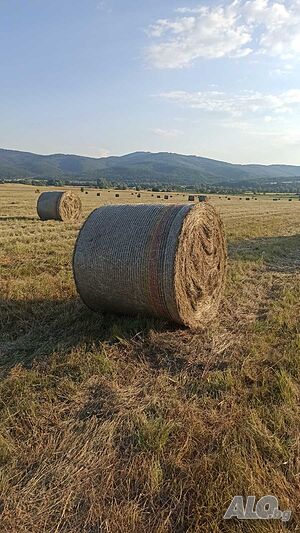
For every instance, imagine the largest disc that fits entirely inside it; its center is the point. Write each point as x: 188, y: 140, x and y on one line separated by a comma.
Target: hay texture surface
x: 58, y: 205
x: 166, y: 261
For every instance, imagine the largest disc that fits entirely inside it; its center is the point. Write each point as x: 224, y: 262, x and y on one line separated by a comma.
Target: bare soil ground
x: 122, y: 424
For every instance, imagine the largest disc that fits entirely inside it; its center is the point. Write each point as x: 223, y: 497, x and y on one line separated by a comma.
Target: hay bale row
x: 59, y: 205
x: 166, y: 261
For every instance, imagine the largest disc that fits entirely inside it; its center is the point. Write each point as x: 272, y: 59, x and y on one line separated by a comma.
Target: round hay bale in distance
x: 59, y: 205
x: 202, y: 198
x: 191, y: 198
x: 166, y: 197
x: 166, y: 261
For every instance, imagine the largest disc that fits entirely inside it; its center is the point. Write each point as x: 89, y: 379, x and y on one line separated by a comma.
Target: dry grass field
x: 120, y: 424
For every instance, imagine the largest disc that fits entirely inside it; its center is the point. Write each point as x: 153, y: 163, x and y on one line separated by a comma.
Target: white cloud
x: 95, y: 151
x: 103, y: 5
x: 231, y: 29
x: 238, y: 104
x: 166, y: 133
x: 103, y: 152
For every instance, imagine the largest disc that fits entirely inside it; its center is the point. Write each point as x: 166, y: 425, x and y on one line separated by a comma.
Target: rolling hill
x: 162, y: 167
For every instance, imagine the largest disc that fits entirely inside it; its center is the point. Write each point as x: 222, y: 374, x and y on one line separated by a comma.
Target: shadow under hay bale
x: 144, y: 261
x: 59, y: 205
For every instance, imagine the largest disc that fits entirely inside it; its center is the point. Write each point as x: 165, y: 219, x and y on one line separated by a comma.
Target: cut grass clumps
x: 152, y: 434
x: 132, y: 424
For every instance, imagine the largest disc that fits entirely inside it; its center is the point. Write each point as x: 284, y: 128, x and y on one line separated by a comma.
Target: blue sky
x: 91, y: 77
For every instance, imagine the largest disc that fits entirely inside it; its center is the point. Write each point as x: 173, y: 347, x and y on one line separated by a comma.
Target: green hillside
x: 162, y: 167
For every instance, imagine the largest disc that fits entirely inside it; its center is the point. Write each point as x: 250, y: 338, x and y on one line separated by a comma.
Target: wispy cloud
x: 103, y: 5
x: 166, y: 133
x: 95, y: 151
x: 237, y: 104
x: 103, y: 152
x: 231, y: 29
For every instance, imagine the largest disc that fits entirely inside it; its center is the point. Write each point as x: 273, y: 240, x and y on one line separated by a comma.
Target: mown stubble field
x: 119, y: 424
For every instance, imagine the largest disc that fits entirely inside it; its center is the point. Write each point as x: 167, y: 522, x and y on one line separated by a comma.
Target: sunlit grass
x: 114, y: 423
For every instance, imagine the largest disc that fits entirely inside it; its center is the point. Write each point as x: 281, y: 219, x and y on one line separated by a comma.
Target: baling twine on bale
x: 166, y: 261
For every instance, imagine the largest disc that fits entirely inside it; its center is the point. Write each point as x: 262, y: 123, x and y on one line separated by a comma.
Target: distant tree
x: 102, y: 183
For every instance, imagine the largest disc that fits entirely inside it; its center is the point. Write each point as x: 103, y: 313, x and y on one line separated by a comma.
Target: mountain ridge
x: 163, y: 167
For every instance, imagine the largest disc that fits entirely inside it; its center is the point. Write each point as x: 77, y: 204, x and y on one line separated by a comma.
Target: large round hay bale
x: 166, y: 261
x: 59, y: 205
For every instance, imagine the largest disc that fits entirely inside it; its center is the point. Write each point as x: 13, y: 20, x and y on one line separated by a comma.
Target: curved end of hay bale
x: 167, y: 261
x: 200, y: 266
x: 59, y: 205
